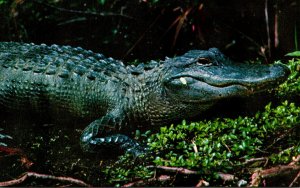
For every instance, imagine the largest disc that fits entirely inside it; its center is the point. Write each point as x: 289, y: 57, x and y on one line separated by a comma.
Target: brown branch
x: 161, y: 178
x: 272, y: 172
x: 13, y: 182
x: 42, y: 176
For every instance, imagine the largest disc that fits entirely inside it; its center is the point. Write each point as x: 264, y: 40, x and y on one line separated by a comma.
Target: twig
x: 176, y: 169
x: 83, y: 12
x: 202, y: 183
x: 194, y: 146
x: 226, y: 146
x: 280, y: 137
x: 240, y: 32
x: 43, y: 176
x: 295, y: 179
x: 249, y: 161
x: 226, y: 177
x: 276, y: 34
x: 141, y: 37
x: 161, y: 178
x: 181, y: 21
x: 268, y: 27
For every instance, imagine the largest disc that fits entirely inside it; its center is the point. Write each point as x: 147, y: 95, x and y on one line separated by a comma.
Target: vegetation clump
x: 291, y: 88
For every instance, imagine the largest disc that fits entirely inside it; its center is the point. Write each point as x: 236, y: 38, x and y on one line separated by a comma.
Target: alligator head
x: 208, y: 76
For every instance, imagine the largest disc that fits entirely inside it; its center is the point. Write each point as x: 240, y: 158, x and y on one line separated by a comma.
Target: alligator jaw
x: 198, y: 91
x: 259, y: 77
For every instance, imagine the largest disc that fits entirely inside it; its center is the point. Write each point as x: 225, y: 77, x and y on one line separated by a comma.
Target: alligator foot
x: 2, y: 137
x: 103, y: 134
x: 117, y: 141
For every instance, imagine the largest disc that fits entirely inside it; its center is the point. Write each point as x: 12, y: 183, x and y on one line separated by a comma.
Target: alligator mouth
x: 253, y: 86
x: 195, y: 88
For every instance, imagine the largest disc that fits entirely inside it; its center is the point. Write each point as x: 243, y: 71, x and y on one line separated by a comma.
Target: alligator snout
x: 226, y: 79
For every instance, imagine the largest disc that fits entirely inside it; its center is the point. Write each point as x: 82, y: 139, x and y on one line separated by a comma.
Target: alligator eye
x: 203, y: 61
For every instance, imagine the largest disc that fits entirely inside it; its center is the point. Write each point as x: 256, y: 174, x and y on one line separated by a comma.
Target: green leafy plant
x: 3, y: 2
x: 220, y: 144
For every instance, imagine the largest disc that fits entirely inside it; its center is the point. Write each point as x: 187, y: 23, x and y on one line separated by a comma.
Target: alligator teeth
x: 183, y: 81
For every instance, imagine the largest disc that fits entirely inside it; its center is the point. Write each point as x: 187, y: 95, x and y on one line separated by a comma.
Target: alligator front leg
x: 102, y: 134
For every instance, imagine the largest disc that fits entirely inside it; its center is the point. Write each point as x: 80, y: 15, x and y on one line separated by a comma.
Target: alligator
x: 119, y: 99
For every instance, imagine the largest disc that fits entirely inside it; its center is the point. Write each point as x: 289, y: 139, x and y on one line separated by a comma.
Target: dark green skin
x: 120, y: 99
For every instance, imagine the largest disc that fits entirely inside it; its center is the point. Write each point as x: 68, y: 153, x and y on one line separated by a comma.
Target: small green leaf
x: 101, y: 2
x: 294, y: 54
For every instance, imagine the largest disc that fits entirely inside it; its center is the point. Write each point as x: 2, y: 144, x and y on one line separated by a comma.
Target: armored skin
x: 118, y: 98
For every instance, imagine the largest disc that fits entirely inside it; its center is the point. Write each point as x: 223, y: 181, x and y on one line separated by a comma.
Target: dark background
x: 153, y: 29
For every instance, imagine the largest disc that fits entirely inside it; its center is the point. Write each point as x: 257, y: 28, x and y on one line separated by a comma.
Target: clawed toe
x: 2, y: 137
